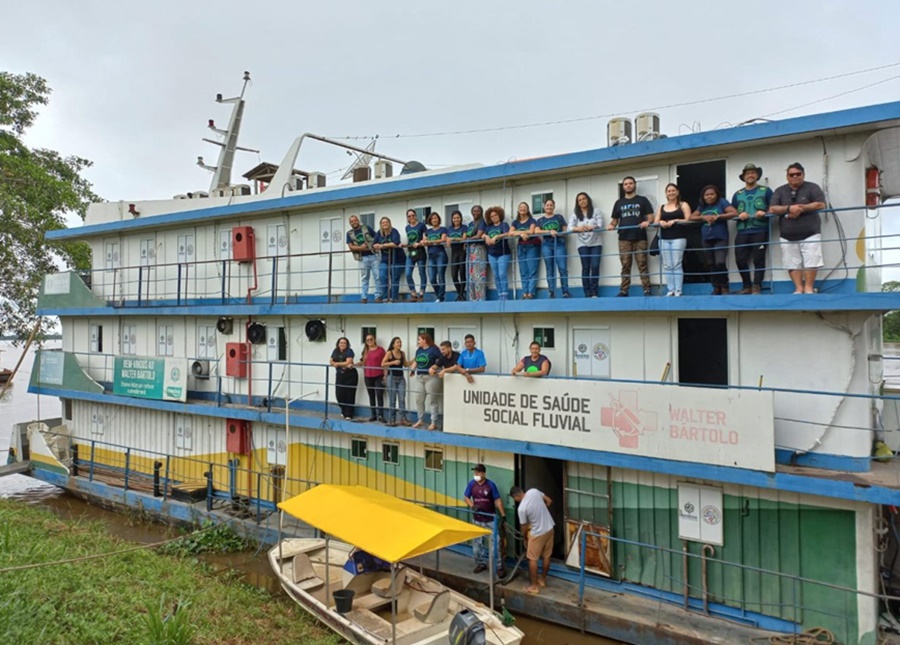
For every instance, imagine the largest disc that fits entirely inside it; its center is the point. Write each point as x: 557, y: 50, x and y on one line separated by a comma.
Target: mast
x: 222, y: 170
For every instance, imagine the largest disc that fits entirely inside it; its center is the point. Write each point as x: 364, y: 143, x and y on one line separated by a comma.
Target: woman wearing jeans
x: 436, y: 241
x: 373, y: 375
x: 395, y: 362
x: 587, y: 221
x: 456, y: 234
x: 553, y: 248
x: 671, y: 218
x: 528, y: 250
x: 498, y: 249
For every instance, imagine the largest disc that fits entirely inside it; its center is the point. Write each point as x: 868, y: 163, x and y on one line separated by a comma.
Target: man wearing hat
x: 752, y: 239
x: 483, y: 497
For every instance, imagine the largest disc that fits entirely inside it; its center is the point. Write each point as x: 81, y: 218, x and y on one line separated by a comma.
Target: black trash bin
x: 343, y: 600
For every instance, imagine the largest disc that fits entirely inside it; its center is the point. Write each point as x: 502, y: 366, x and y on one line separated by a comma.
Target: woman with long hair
x: 346, y: 378
x: 671, y: 217
x: 553, y: 248
x: 476, y: 255
x: 415, y: 255
x: 394, y: 362
x: 427, y: 385
x: 587, y: 221
x: 495, y: 235
x: 528, y: 249
x: 715, y: 211
x: 373, y: 376
x: 436, y: 241
x: 393, y: 260
x: 456, y: 234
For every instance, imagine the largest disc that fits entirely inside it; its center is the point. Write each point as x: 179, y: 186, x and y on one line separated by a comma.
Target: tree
x: 38, y: 188
x: 891, y: 321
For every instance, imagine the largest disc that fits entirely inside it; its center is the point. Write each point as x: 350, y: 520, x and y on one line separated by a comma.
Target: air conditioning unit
x: 240, y: 189
x: 225, y: 325
x: 315, y: 180
x: 295, y: 183
x: 200, y: 369
x: 362, y: 173
x: 222, y: 192
x: 646, y: 126
x: 256, y: 333
x: 383, y: 169
x: 618, y: 131
x: 199, y: 194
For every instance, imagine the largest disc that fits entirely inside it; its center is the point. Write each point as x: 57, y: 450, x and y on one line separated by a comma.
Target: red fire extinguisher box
x: 236, y: 360
x: 243, y: 244
x: 237, y: 436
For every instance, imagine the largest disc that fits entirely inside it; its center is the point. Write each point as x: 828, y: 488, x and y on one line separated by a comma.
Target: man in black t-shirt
x: 798, y: 203
x: 631, y: 215
x: 447, y: 359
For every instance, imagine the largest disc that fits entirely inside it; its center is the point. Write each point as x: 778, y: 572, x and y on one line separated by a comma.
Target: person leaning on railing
x: 495, y: 235
x: 587, y: 222
x: 752, y: 224
x: 528, y: 249
x: 436, y: 242
x: 799, y: 202
x: 395, y: 362
x: 346, y: 378
x: 553, y: 248
x: 456, y: 234
x: 393, y: 261
x: 715, y: 211
x: 476, y: 255
x: 631, y: 215
x: 426, y: 384
x: 670, y: 217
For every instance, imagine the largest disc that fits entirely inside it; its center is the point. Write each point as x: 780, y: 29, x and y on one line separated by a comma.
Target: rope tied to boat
x: 812, y: 636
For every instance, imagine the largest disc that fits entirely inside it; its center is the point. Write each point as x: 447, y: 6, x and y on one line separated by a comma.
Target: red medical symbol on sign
x: 626, y: 418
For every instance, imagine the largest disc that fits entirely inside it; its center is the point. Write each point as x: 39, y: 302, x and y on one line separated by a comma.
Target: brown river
x: 17, y: 406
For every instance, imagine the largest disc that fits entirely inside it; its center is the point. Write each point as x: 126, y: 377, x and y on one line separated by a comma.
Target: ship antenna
x: 222, y: 170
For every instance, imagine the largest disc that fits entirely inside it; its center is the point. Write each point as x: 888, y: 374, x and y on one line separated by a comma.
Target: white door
x: 112, y: 283
x: 457, y: 337
x: 591, y: 353
x: 331, y: 241
x: 148, y: 271
x: 188, y: 269
x: 276, y: 250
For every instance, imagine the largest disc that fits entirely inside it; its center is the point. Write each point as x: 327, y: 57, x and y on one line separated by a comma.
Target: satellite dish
x: 362, y: 161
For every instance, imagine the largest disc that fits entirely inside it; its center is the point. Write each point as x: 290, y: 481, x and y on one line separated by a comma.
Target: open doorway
x: 691, y: 178
x: 547, y: 475
x: 703, y: 351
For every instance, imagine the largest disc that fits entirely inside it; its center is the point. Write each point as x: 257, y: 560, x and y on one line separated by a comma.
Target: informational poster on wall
x: 163, y: 379
x: 50, y: 368
x: 700, y: 514
x: 695, y: 424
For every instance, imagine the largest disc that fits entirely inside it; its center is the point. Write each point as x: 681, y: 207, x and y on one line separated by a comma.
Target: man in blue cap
x: 483, y: 497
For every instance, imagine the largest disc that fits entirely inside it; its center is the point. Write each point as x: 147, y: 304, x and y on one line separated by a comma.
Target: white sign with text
x: 701, y: 425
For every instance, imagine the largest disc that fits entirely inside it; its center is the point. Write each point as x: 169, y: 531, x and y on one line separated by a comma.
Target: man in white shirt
x: 537, y: 524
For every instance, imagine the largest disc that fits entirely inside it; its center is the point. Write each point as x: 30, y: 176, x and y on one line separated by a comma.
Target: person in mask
x: 483, y: 497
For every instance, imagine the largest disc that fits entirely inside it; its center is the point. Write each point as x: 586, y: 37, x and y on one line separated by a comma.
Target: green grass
x: 138, y: 597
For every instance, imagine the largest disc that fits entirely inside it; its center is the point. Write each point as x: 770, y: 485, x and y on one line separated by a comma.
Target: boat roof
x: 387, y: 527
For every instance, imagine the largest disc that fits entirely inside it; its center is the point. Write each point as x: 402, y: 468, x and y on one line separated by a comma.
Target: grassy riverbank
x: 125, y: 598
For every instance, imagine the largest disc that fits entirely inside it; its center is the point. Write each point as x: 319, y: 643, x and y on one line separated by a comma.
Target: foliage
x: 891, y: 321
x: 108, y: 600
x: 38, y: 188
x: 173, y: 629
x: 214, y: 538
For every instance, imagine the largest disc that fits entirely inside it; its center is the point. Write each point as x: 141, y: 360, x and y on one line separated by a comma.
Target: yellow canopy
x: 386, y: 527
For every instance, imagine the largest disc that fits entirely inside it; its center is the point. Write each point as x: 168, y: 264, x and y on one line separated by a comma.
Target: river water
x: 17, y: 406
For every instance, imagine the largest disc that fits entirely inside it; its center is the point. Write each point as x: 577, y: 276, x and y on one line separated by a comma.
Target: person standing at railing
x: 715, y: 211
x: 495, y: 235
x: 535, y: 365
x: 798, y: 203
x: 456, y: 234
x: 393, y: 260
x: 446, y: 362
x: 424, y: 384
x: 476, y: 255
x: 587, y: 221
x: 483, y: 497
x: 631, y: 215
x: 415, y: 256
x: 395, y: 362
x: 361, y: 241
x: 436, y: 242
x: 528, y: 249
x: 470, y: 361
x: 374, y: 377
x: 346, y: 378
x: 553, y: 248
x: 752, y: 239
x: 538, y: 526
x: 671, y: 218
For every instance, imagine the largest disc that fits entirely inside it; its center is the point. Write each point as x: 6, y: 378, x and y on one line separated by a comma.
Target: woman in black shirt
x: 346, y: 379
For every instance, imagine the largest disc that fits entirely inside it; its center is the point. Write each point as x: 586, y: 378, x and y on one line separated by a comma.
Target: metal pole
x: 393, y: 603
x: 491, y: 565
x: 281, y: 545
x: 327, y: 575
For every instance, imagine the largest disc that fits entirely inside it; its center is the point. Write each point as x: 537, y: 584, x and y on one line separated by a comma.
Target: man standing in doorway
x: 360, y: 239
x: 631, y: 215
x: 752, y: 239
x: 537, y: 525
x: 799, y: 202
x: 483, y: 497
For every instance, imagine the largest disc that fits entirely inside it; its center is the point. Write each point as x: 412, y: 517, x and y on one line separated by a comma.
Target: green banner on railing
x: 150, y: 378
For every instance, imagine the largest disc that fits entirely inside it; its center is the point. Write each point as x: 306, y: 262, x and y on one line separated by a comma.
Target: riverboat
x: 705, y: 452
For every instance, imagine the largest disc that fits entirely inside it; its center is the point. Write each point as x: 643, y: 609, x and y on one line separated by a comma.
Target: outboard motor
x: 467, y: 629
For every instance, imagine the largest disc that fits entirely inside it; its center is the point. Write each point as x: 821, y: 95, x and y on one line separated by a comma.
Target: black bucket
x: 343, y: 600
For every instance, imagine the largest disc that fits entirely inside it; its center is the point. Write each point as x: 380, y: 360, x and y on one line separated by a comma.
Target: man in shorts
x: 537, y: 525
x: 798, y: 203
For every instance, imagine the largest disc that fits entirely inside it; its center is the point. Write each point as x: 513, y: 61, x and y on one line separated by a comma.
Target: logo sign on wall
x: 700, y: 514
x: 701, y: 425
x: 163, y: 379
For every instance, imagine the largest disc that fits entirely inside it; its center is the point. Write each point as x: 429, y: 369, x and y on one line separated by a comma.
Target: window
x: 97, y: 338
x: 537, y: 202
x: 434, y: 459
x: 448, y: 209
x: 276, y: 343
x: 390, y: 454
x: 184, y: 433
x: 359, y: 449
x: 206, y: 341
x: 422, y: 212
x: 426, y: 330
x: 368, y: 219
x: 368, y: 331
x: 129, y: 340
x: 545, y: 337
x: 463, y: 207
x: 67, y: 409
x: 166, y: 337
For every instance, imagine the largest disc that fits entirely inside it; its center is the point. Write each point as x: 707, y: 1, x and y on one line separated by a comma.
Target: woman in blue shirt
x: 714, y: 212
x: 426, y: 386
x: 415, y: 235
x: 456, y: 234
x: 528, y: 250
x: 553, y: 248
x: 498, y: 248
x: 435, y: 241
x: 393, y: 260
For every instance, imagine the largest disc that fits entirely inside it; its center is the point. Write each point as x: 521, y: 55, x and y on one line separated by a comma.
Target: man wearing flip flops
x: 537, y: 525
